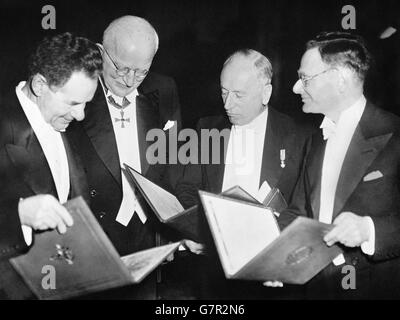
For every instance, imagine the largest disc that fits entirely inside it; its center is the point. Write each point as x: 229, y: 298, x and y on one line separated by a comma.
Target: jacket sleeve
x: 12, y: 242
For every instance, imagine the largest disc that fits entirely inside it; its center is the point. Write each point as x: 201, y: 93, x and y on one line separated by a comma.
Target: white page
x: 240, y: 230
x: 165, y: 203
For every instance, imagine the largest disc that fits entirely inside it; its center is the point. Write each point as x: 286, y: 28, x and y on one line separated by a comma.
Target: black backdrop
x: 197, y: 35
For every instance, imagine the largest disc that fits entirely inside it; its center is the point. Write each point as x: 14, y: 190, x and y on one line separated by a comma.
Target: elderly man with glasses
x: 130, y: 101
x: 351, y: 176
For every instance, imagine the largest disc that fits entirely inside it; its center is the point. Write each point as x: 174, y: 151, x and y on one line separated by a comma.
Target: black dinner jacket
x: 374, y: 148
x: 24, y: 172
x: 156, y: 103
x: 281, y: 133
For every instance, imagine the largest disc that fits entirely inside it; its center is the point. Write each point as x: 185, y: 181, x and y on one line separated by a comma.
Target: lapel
x: 369, y: 138
x: 27, y: 155
x: 147, y: 118
x: 77, y: 177
x: 215, y: 172
x: 273, y: 142
x: 314, y: 171
x: 99, y: 129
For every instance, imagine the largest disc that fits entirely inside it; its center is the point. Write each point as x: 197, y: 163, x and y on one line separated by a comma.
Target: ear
x: 39, y: 85
x: 343, y: 79
x: 266, y: 93
x: 100, y: 46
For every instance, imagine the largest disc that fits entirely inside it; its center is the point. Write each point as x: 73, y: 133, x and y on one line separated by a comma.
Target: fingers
x: 65, y: 216
x: 349, y: 230
x: 55, y: 216
x: 194, y: 247
x: 273, y: 284
x: 170, y: 258
x: 337, y: 234
x: 44, y: 212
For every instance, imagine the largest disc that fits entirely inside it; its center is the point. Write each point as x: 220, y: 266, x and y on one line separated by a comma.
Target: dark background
x: 197, y: 35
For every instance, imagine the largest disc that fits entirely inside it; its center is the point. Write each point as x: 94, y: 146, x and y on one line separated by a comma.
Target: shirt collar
x: 131, y: 97
x: 257, y: 124
x: 31, y: 110
x: 349, y: 117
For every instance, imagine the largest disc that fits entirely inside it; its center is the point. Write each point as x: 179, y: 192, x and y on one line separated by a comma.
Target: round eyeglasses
x: 305, y: 80
x: 137, y: 73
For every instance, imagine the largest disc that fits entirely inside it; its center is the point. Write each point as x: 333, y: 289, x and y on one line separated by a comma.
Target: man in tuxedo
x: 39, y: 169
x: 130, y: 101
x: 351, y: 174
x: 264, y: 148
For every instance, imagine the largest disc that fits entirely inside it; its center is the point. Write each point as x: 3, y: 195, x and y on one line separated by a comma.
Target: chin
x: 121, y: 90
x: 60, y: 127
x: 307, y: 108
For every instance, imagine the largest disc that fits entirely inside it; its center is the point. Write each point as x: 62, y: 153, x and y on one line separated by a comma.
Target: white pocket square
x: 373, y: 176
x: 168, y: 125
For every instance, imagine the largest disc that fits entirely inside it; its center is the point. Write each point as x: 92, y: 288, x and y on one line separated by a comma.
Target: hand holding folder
x: 251, y: 247
x: 84, y: 259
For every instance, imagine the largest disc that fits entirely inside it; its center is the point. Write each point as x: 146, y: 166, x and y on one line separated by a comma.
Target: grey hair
x: 129, y: 24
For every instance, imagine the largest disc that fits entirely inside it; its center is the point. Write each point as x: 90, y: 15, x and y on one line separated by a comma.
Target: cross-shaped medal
x: 125, y: 103
x: 123, y: 120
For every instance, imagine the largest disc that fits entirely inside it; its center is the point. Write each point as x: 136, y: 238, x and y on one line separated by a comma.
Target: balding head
x: 255, y: 60
x: 131, y: 33
x: 128, y: 42
x: 245, y: 85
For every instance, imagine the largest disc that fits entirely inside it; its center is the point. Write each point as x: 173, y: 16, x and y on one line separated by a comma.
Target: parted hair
x: 343, y: 49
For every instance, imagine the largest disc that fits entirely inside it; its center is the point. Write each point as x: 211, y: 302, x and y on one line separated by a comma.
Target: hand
x: 273, y: 284
x: 350, y: 229
x: 194, y: 247
x: 42, y: 212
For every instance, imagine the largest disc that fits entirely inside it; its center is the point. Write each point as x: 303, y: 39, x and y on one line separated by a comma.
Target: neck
x: 343, y: 104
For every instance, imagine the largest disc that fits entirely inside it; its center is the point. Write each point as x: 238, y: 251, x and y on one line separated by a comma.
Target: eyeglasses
x: 306, y: 79
x: 138, y: 73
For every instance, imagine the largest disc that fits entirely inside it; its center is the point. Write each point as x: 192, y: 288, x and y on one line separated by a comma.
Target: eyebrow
x: 235, y: 91
x: 74, y: 103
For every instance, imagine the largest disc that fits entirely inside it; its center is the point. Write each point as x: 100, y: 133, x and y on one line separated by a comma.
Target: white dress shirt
x: 128, y: 151
x: 244, y: 155
x: 52, y: 145
x: 338, y: 137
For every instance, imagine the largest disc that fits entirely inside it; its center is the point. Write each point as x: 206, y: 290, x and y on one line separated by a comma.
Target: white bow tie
x: 328, y: 128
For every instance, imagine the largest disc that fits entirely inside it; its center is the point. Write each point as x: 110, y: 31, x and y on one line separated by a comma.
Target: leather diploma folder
x: 82, y: 260
x: 275, y: 200
x: 251, y: 247
x: 168, y: 209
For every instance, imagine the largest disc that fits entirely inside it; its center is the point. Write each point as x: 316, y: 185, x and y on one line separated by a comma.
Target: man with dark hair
x: 351, y: 175
x: 39, y: 169
x: 262, y: 149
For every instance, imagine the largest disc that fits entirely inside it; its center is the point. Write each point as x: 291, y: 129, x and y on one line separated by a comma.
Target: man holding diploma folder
x: 351, y: 174
x: 261, y: 148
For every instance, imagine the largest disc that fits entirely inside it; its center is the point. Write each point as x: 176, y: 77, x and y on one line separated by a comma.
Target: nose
x: 78, y: 112
x: 298, y: 87
x: 129, y: 78
x: 228, y: 103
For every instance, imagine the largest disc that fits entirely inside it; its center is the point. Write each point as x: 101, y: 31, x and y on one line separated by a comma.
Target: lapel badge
x: 282, y: 155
